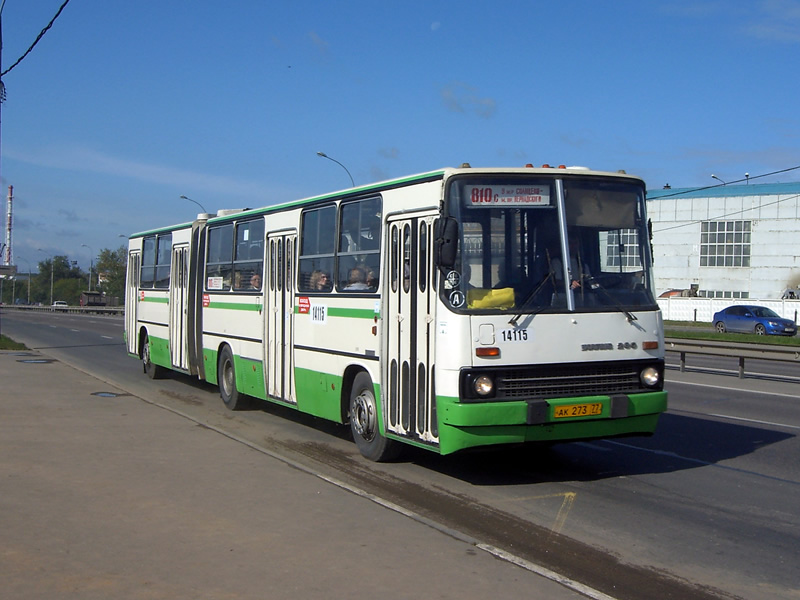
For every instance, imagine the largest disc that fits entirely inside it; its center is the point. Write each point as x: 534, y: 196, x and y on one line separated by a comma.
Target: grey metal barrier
x: 731, y: 350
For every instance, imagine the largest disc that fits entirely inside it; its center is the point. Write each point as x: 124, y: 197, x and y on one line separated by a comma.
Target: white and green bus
x: 435, y: 310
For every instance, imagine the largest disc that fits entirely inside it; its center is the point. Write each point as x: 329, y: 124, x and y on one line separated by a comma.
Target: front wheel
x: 364, y: 422
x: 226, y: 377
x: 152, y: 370
x: 760, y: 329
x: 721, y: 327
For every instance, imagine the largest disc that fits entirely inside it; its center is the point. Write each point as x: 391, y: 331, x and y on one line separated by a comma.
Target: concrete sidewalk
x: 107, y: 497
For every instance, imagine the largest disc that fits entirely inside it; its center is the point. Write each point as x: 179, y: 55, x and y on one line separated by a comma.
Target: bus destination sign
x: 515, y: 195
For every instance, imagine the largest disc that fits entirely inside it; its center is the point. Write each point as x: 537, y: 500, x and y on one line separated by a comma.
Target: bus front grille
x: 562, y: 381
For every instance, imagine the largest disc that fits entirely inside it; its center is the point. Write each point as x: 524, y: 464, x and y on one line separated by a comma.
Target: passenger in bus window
x: 357, y: 280
x: 320, y: 281
x: 255, y: 281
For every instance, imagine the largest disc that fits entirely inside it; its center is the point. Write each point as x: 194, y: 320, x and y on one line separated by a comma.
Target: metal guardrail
x: 731, y: 350
x: 107, y: 310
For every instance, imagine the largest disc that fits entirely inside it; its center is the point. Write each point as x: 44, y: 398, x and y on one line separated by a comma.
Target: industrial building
x: 727, y: 241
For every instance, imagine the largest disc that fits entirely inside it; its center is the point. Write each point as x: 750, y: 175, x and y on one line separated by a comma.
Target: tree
x: 63, y: 277
x: 111, y: 268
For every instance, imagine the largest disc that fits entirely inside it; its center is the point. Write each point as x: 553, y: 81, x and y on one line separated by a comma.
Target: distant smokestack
x: 9, y: 222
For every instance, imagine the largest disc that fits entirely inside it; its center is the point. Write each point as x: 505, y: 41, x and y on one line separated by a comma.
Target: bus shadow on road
x: 680, y: 443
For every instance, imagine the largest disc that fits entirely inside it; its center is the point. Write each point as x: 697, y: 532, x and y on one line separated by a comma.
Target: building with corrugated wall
x: 727, y: 241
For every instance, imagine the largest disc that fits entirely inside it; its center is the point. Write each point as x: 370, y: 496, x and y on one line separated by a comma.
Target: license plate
x: 578, y: 410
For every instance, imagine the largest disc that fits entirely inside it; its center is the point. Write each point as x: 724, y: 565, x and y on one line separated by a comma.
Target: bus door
x: 409, y: 342
x: 132, y: 302
x: 279, y: 309
x: 178, y: 294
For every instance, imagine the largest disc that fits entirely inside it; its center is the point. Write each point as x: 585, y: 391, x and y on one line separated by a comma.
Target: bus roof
x: 440, y: 174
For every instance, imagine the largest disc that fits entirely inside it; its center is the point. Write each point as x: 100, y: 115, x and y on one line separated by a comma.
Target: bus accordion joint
x: 489, y: 352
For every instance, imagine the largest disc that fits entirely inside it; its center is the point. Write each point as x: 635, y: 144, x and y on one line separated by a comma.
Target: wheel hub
x: 364, y: 416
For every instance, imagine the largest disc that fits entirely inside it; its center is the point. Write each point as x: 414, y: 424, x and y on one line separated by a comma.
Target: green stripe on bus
x: 155, y: 299
x: 235, y: 306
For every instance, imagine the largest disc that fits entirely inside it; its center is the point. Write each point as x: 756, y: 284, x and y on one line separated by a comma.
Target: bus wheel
x: 364, y: 422
x: 226, y: 376
x: 153, y: 371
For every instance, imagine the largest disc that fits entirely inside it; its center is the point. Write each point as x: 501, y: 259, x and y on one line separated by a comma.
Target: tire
x: 226, y: 379
x: 153, y: 371
x: 759, y: 330
x: 720, y: 327
x: 364, y: 422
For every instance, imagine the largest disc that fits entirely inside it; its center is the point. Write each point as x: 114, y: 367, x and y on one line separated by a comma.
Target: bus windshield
x: 514, y: 233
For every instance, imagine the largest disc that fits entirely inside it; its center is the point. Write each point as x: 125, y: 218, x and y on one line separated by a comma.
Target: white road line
x: 734, y: 389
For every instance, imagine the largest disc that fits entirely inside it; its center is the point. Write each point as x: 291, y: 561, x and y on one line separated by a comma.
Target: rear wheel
x: 364, y: 422
x: 760, y: 329
x: 721, y: 327
x: 226, y: 377
x: 152, y: 370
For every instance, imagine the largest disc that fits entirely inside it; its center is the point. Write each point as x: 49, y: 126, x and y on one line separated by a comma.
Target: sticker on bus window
x: 508, y: 195
x: 215, y: 283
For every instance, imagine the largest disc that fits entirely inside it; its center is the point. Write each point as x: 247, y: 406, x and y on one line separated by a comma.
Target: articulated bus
x: 453, y: 309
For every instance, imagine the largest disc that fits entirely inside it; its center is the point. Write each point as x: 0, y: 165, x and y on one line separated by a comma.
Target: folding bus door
x: 178, y: 294
x: 132, y: 302
x: 279, y: 309
x: 409, y: 342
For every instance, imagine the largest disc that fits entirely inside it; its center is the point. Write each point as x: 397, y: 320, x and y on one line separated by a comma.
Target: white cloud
x: 84, y: 159
x: 461, y: 97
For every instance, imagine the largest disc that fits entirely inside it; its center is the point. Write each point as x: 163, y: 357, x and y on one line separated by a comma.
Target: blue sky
x: 124, y: 106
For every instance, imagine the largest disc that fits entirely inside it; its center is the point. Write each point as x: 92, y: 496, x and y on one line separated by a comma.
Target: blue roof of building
x: 721, y: 191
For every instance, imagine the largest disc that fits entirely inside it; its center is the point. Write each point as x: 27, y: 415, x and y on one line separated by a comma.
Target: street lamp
x: 718, y: 179
x: 196, y: 202
x: 29, y: 277
x: 52, y: 270
x: 91, y: 259
x: 323, y: 155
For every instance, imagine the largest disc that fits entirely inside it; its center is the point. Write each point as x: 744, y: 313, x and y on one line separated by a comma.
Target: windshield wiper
x: 530, y: 297
x: 595, y: 285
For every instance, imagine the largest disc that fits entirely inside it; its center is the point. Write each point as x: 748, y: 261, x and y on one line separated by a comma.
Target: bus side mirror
x: 447, y: 243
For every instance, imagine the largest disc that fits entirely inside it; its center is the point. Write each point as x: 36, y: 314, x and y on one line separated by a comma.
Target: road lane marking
x: 734, y: 389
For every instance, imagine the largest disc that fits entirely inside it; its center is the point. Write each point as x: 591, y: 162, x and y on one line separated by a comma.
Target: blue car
x: 753, y: 319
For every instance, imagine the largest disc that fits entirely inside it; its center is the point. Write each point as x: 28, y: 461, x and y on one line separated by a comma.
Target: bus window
x: 422, y: 273
x: 148, y: 277
x: 248, y: 263
x: 219, y: 263
x: 156, y: 261
x: 163, y: 261
x: 317, y: 241
x: 359, y: 245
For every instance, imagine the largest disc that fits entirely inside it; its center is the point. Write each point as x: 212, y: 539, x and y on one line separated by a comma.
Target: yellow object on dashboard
x: 483, y: 298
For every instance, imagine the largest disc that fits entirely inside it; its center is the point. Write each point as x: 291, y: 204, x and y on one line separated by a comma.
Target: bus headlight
x: 483, y: 386
x: 650, y: 377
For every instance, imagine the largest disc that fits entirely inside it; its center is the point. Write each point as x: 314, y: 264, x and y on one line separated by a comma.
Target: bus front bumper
x: 465, y: 425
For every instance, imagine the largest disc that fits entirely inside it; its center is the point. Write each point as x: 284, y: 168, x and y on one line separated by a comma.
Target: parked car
x: 60, y: 304
x: 753, y: 319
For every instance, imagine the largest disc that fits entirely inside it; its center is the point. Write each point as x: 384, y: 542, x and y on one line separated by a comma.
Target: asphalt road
x: 705, y: 508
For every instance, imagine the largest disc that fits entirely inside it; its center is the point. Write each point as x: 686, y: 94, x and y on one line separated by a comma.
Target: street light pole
x: 718, y: 179
x: 196, y: 202
x: 323, y: 155
x: 91, y: 263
